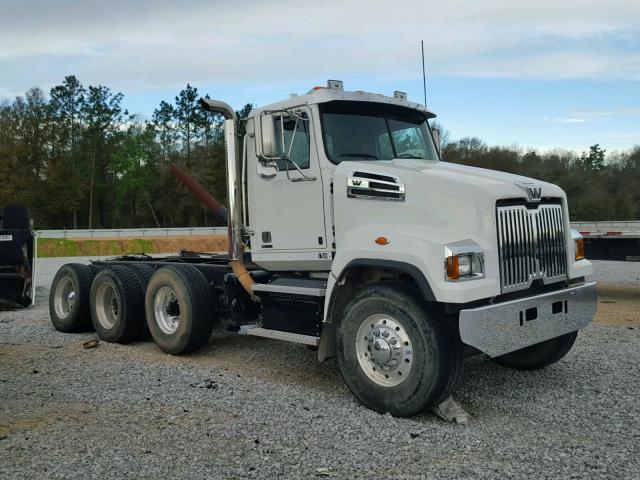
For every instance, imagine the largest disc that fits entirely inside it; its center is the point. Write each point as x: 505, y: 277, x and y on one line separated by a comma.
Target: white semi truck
x: 348, y: 233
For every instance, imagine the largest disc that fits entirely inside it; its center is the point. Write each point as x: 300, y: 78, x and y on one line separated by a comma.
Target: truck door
x: 287, y: 209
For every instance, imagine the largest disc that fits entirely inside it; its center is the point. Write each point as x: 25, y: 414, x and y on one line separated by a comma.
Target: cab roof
x: 323, y: 94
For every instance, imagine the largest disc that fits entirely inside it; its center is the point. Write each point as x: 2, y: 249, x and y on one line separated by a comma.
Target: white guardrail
x: 133, y: 232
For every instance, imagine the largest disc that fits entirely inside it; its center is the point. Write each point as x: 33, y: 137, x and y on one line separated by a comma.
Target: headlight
x: 464, y: 265
x: 463, y: 261
x: 578, y: 245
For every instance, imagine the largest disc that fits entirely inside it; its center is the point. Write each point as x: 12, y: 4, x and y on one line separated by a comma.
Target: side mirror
x: 268, y: 140
x: 436, y: 137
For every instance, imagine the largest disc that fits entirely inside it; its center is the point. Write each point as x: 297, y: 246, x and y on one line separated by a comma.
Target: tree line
x: 599, y: 186
x: 78, y: 159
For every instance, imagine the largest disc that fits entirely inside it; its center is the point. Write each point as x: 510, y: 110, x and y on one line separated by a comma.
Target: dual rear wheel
x: 179, y: 309
x: 124, y: 303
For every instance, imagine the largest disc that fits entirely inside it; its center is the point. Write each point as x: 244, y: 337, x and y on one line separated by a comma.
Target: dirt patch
x: 9, y: 425
x: 618, y: 304
x: 75, y: 247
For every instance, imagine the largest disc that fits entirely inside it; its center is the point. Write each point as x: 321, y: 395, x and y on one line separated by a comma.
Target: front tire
x: 395, y: 354
x: 179, y: 309
x: 539, y: 356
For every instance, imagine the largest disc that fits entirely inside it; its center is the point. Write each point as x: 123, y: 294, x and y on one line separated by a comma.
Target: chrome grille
x: 531, y: 245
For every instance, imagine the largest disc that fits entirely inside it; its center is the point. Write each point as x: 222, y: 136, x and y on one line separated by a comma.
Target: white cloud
x: 589, y: 114
x: 149, y: 44
x: 571, y: 120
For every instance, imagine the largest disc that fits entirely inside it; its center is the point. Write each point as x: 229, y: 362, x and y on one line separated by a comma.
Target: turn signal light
x: 382, y: 241
x: 579, y: 248
x: 453, y: 268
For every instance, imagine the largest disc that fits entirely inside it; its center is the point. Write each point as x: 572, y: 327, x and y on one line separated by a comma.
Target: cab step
x: 279, y: 335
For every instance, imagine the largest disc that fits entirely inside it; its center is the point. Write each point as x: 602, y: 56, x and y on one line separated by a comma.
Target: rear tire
x: 144, y: 273
x: 179, y: 309
x: 403, y: 381
x: 117, y: 304
x: 539, y: 356
x: 70, y: 297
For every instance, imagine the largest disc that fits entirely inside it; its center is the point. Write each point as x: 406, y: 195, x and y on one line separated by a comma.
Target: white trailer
x: 348, y: 233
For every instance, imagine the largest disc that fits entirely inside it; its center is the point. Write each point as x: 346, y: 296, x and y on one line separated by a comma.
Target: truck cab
x: 352, y: 185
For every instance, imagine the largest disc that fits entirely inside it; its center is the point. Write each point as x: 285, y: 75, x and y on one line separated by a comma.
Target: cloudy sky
x: 543, y: 74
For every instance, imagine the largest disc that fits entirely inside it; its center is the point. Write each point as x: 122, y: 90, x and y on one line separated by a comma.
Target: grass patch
x: 94, y: 247
x: 65, y: 247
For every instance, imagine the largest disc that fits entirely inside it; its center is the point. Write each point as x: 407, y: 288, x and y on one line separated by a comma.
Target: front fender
x: 419, y: 247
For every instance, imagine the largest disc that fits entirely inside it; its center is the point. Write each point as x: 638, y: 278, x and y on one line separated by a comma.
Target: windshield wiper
x: 358, y: 155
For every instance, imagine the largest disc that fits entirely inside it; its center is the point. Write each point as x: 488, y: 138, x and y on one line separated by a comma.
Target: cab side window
x: 296, y: 142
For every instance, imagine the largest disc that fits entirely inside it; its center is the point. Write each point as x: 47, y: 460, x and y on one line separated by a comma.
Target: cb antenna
x: 424, y: 76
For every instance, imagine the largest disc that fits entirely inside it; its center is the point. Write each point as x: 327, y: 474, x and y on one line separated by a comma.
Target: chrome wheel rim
x: 167, y: 310
x: 64, y: 298
x: 107, y: 304
x: 384, y: 350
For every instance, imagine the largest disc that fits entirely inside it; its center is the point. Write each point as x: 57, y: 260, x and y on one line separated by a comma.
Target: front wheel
x: 539, y: 356
x: 395, y: 354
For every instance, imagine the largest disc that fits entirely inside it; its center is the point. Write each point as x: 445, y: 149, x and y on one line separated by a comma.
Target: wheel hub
x: 107, y: 305
x: 384, y: 350
x: 381, y: 351
x: 167, y: 310
x: 64, y: 297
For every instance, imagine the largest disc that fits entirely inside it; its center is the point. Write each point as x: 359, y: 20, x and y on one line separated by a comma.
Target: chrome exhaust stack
x: 234, y: 187
x: 233, y: 180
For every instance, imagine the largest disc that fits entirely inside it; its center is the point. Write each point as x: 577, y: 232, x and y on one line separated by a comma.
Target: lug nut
x: 396, y: 351
x: 393, y: 341
x: 385, y: 333
x: 376, y: 332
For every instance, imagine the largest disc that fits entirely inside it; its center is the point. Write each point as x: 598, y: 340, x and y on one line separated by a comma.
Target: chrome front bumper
x: 505, y: 327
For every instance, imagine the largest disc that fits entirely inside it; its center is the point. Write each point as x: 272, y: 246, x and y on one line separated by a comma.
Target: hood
x: 454, y: 178
x: 438, y: 194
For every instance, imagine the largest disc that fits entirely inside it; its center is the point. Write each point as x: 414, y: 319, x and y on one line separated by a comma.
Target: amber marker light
x: 579, y: 243
x: 382, y: 241
x: 453, y: 268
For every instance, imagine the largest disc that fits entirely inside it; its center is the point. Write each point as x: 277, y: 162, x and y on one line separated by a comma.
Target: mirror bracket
x: 436, y: 138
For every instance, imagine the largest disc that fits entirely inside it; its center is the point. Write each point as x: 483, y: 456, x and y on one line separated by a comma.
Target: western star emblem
x: 534, y: 190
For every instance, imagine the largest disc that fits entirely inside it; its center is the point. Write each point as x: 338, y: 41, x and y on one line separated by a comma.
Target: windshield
x: 374, y: 131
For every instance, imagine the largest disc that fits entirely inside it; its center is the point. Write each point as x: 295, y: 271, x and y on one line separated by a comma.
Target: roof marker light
x: 335, y: 85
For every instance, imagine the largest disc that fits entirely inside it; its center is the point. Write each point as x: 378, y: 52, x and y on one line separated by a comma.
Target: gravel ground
x: 625, y: 273
x: 246, y: 407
